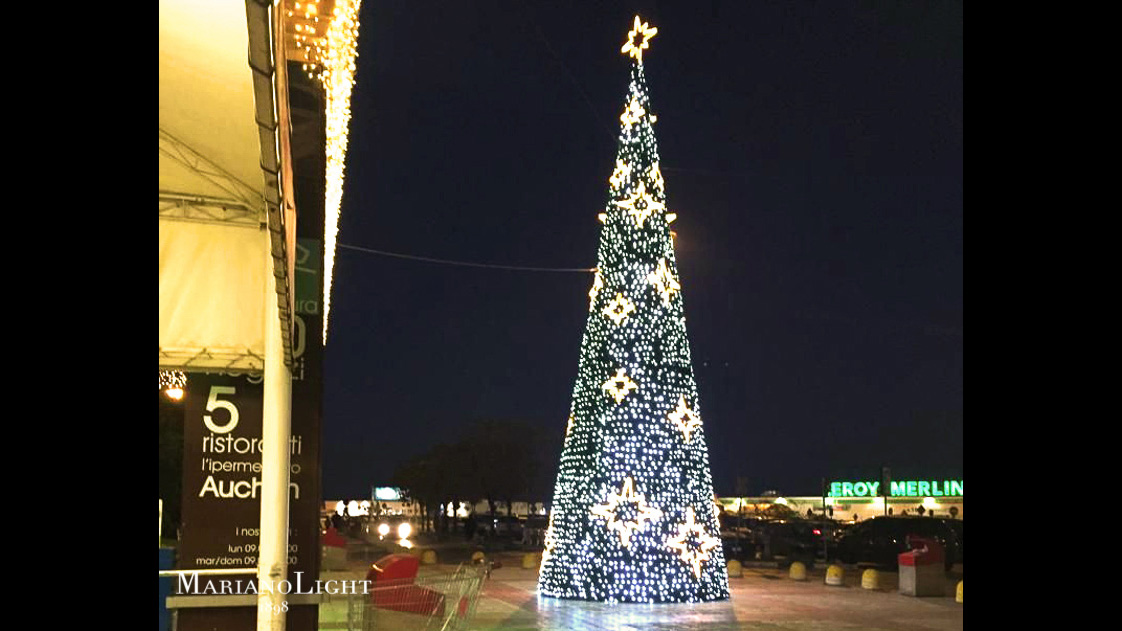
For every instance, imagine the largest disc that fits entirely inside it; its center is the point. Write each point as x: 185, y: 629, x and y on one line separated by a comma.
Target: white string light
x: 631, y: 425
x: 173, y: 382
x: 338, y: 81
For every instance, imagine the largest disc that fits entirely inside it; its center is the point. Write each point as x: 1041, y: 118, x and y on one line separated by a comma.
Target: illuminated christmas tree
x: 633, y: 516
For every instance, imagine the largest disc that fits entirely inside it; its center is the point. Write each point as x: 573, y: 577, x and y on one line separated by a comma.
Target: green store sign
x: 899, y: 488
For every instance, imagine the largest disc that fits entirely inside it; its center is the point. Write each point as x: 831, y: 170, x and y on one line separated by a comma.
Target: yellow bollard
x: 477, y: 556
x: 869, y: 579
x: 958, y: 593
x: 798, y: 571
x: 531, y: 561
x: 735, y: 569
x: 834, y: 575
x: 428, y: 557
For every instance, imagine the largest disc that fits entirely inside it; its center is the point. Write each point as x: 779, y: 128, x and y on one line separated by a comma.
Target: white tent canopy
x: 219, y: 186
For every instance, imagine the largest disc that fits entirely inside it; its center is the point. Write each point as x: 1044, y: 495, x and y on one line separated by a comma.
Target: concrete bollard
x: 798, y: 571
x: 835, y: 575
x: 477, y: 556
x: 869, y: 579
x: 428, y: 557
x: 531, y: 561
x: 958, y: 593
x: 735, y: 569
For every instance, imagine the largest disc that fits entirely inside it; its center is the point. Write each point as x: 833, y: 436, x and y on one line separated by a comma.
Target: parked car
x: 738, y: 536
x: 754, y: 538
x: 731, y: 524
x: 827, y: 528
x: 539, y: 522
x: 734, y: 547
x: 508, y: 527
x: 956, y: 524
x: 794, y: 539
x: 879, y: 540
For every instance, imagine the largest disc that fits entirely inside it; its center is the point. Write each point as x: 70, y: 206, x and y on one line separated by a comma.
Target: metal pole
x: 885, y: 482
x: 272, y: 559
x: 825, y: 544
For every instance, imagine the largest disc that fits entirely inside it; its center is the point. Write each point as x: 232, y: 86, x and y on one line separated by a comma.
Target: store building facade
x: 857, y: 500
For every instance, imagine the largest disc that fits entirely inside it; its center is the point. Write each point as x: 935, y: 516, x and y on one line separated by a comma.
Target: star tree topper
x: 625, y: 528
x: 694, y: 555
x: 643, y: 30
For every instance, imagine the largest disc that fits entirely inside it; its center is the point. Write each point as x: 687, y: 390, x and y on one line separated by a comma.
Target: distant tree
x: 499, y: 455
x: 420, y: 476
x: 496, y: 461
x: 779, y: 511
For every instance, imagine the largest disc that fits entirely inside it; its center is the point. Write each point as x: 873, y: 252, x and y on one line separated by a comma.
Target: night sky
x: 812, y: 152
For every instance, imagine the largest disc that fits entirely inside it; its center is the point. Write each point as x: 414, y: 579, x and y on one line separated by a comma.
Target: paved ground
x: 763, y: 599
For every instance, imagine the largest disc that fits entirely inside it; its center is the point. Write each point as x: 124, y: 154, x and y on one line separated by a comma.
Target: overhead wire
x: 610, y: 134
x: 428, y: 259
x: 533, y: 24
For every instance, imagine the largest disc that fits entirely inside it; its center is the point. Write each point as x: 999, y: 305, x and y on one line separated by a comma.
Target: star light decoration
x: 619, y: 176
x: 550, y: 541
x: 624, y: 387
x: 664, y: 283
x: 697, y: 554
x: 618, y: 309
x: 632, y: 114
x: 656, y: 177
x: 597, y: 285
x: 640, y: 29
x: 641, y: 205
x: 610, y: 509
x: 684, y: 418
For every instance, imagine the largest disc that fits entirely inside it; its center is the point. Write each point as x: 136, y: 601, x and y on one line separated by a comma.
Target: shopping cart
x: 431, y: 601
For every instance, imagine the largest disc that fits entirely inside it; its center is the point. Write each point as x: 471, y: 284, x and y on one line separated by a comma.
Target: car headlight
x: 404, y: 529
x: 383, y: 529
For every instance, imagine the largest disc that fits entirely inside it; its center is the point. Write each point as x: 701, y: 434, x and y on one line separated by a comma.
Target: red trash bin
x: 921, y: 569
